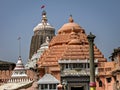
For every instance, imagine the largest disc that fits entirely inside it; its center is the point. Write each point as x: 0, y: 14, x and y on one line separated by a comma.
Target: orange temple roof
x: 70, y: 43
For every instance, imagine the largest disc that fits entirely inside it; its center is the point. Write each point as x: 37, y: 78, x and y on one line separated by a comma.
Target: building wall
x: 5, y: 75
x: 109, y: 85
x: 98, y: 87
x: 105, y: 76
x: 30, y: 74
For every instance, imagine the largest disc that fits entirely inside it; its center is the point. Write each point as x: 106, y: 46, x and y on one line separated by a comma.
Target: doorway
x: 77, y: 88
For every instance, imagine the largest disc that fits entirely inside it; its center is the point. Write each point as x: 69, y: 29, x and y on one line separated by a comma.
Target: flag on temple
x: 19, y: 38
x: 43, y: 6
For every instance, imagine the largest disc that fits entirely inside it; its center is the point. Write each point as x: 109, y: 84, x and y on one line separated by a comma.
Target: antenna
x: 19, y: 39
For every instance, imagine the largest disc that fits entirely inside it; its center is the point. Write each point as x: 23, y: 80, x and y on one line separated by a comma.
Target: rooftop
x: 15, y: 86
x: 48, y: 79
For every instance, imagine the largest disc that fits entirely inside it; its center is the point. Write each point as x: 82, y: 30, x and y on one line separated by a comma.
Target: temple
x: 41, y: 31
x: 61, y: 62
x: 19, y: 72
x: 67, y: 57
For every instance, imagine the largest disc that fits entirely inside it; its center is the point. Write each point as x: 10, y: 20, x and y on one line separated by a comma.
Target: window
x: 96, y: 66
x: 100, y: 83
x: 101, y: 69
x: 66, y: 66
x: 21, y: 72
x: 44, y: 86
x: 70, y: 66
x: 108, y: 80
x: 77, y: 65
x: 80, y: 65
x: 16, y: 72
x: 88, y: 65
x: 108, y: 69
x: 52, y: 86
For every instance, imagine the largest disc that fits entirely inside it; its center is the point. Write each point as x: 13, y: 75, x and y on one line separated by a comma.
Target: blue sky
x: 19, y: 17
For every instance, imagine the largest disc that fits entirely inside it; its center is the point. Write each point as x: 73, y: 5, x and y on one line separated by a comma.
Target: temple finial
x: 44, y: 17
x: 71, y: 19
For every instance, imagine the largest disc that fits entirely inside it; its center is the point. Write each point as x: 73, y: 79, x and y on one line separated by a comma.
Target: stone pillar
x: 90, y: 38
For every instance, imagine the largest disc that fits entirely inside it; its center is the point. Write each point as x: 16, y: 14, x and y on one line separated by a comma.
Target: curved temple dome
x: 43, y: 24
x: 69, y: 26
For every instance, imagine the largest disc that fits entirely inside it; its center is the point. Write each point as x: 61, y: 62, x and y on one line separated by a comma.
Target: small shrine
x: 48, y: 82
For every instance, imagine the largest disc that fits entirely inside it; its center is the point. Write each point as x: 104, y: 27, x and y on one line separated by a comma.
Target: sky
x: 19, y: 17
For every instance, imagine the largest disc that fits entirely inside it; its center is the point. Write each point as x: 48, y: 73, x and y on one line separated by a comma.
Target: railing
x: 2, y: 81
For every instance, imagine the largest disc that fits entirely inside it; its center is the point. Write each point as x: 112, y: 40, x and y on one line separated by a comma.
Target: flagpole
x: 19, y: 40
